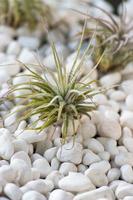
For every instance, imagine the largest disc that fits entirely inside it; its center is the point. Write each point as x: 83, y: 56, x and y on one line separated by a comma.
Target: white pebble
x: 89, y: 157
x: 127, y: 173
x: 129, y: 102
x: 24, y: 173
x: 50, y: 153
x: 70, y: 152
x: 55, y: 164
x: 118, y: 95
x: 94, y: 145
x: 12, y: 191
x: 109, y: 145
x: 113, y: 174
x: 6, y: 145
x: 61, y: 195
x: 124, y: 158
x: 109, y: 128
x: 128, y: 143
x: 76, y: 182
x: 39, y: 165
x: 20, y: 145
x: 87, y: 129
x: 127, y: 86
x: 31, y: 136
x: 13, y: 48
x: 96, y: 194
x: 97, y: 177
x: 126, y: 119
x: 42, y: 186
x: 23, y: 156
x: 7, y: 173
x: 67, y: 167
x: 33, y: 195
x: 123, y: 190
x: 110, y: 79
x: 29, y: 42
x: 55, y: 177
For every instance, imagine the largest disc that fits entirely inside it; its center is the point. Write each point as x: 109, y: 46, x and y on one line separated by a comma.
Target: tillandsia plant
x: 18, y: 12
x: 113, y: 34
x: 62, y: 100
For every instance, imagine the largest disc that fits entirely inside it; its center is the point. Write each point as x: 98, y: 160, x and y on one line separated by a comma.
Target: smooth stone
x: 102, y: 166
x: 36, y: 156
x: 23, y: 171
x: 13, y: 48
x: 11, y: 121
x: 3, y: 162
x: 4, y: 76
x: 109, y: 128
x: 43, y: 145
x: 111, y: 114
x: 6, y: 145
x: 42, y: 186
x: 7, y: 173
x: 20, y: 145
x: 31, y: 136
x: 35, y: 174
x: 76, y: 182
x: 55, y: 164
x: 27, y: 56
x: 97, y: 177
x: 61, y: 195
x: 55, y: 177
x: 87, y: 129
x: 89, y: 157
x: 127, y: 173
x: 113, y: 174
x: 114, y: 184
x: 102, y: 192
x: 100, y: 99
x: 128, y: 143
x: 127, y: 86
x: 82, y: 168
x: 109, y: 145
x: 49, y: 154
x: 126, y: 119
x: 124, y: 158
x: 104, y: 155
x: 94, y: 145
x: 7, y: 30
x: 5, y: 40
x: 128, y: 198
x: 70, y: 152
x: 23, y: 156
x: 129, y: 102
x: 110, y: 79
x: 127, y: 132
x: 42, y: 166
x: 123, y: 190
x: 67, y: 167
x: 118, y: 95
x: 12, y: 191
x: 33, y: 195
x: 29, y: 42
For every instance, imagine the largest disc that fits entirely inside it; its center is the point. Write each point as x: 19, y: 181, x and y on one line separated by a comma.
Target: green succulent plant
x: 115, y: 35
x: 61, y: 100
x: 18, y: 12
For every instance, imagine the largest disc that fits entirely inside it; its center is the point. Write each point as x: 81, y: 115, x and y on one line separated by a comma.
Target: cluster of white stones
x: 98, y: 165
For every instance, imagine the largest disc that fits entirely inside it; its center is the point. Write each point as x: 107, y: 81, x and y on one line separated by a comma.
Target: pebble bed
x: 98, y: 165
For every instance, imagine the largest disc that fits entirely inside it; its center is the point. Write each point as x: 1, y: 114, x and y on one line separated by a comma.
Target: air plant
x: 113, y: 34
x: 18, y: 12
x: 62, y: 100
